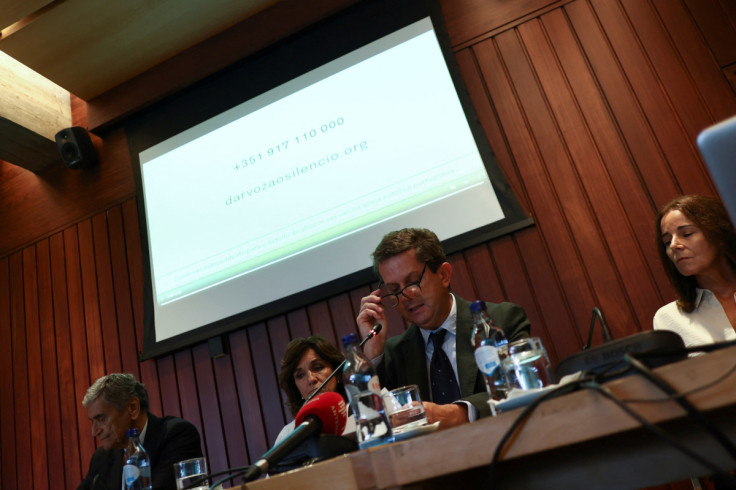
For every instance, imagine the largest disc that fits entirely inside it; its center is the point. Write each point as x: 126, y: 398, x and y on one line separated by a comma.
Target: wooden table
x: 579, y: 440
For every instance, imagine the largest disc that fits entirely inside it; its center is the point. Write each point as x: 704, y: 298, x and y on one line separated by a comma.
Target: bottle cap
x: 477, y: 306
x: 351, y: 338
x: 132, y: 432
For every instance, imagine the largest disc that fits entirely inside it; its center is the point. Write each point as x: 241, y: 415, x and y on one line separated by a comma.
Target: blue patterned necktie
x: 444, y: 385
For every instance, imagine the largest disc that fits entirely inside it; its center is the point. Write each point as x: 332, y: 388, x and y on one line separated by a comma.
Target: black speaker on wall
x: 76, y: 148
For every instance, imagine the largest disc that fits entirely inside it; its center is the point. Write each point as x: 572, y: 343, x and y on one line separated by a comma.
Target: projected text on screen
x: 272, y: 182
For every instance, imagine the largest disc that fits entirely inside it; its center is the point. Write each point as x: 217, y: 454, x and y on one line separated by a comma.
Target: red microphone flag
x: 330, y: 408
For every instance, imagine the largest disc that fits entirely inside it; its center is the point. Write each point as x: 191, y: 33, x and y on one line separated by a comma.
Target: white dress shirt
x: 706, y: 324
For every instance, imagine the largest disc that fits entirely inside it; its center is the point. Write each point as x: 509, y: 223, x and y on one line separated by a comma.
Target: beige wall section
x: 32, y: 101
x: 32, y: 110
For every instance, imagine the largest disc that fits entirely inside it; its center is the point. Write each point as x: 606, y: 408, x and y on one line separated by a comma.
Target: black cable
x: 562, y: 390
x: 589, y: 381
x: 710, y: 347
x: 659, y: 432
x: 234, y: 473
x: 683, y: 402
x: 202, y: 478
x: 668, y: 398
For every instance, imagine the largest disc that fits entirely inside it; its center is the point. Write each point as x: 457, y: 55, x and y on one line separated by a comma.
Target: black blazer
x: 404, y: 359
x: 168, y: 440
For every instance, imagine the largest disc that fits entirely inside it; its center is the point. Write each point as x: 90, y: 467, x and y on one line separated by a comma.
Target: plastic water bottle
x: 364, y: 396
x: 489, y: 342
x: 137, y: 467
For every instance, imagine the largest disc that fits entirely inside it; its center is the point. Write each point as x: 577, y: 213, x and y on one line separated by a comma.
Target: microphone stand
x: 374, y: 331
x: 254, y: 471
x: 607, y: 337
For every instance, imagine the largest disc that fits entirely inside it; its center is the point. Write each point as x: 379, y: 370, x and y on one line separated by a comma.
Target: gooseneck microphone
x: 374, y: 331
x: 326, y: 414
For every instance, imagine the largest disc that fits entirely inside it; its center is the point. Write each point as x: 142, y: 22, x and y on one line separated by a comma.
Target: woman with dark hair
x: 307, y: 362
x: 697, y: 245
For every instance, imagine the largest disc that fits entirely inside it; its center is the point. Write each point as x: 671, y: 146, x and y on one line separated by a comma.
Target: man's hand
x: 448, y: 415
x: 371, y: 312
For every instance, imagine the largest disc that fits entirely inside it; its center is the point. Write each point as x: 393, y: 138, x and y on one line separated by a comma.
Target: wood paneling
x: 592, y: 108
x: 58, y: 197
x: 257, y: 32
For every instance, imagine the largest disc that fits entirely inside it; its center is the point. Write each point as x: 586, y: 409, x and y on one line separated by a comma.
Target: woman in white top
x: 307, y: 362
x: 697, y: 245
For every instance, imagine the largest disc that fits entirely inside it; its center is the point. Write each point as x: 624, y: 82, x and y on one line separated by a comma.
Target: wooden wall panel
x: 549, y: 299
x: 121, y: 289
x: 470, y: 19
x: 36, y: 411
x: 597, y: 187
x: 11, y: 441
x: 169, y: 386
x: 112, y: 337
x: 298, y: 323
x: 716, y: 19
x: 607, y: 146
x: 58, y: 197
x: 525, y: 152
x: 212, y: 424
x: 252, y: 414
x: 20, y: 372
x: 266, y: 380
x: 647, y: 86
x: 591, y: 106
x: 78, y: 339
x: 229, y: 405
x: 95, y: 350
x: 7, y: 439
x: 67, y: 406
x: 343, y: 316
x: 52, y: 389
x: 320, y: 321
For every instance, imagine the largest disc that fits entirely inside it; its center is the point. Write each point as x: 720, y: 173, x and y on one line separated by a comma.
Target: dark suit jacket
x: 168, y: 440
x: 404, y: 359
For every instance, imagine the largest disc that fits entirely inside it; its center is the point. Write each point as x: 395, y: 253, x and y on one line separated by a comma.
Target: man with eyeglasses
x: 415, y: 279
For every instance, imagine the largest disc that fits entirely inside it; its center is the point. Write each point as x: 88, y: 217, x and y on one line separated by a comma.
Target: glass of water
x: 527, y: 365
x: 191, y: 471
x: 404, y: 408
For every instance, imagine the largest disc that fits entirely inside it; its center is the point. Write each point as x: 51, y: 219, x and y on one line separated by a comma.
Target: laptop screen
x: 717, y: 144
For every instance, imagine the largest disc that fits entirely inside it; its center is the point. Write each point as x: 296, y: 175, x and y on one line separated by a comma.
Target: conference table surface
x: 578, y: 440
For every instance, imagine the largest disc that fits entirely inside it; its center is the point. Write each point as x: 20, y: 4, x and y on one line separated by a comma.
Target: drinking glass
x: 404, y: 408
x: 189, y: 471
x: 371, y: 423
x: 527, y: 365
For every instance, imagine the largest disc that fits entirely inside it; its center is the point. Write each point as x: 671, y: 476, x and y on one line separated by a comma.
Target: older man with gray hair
x: 118, y: 402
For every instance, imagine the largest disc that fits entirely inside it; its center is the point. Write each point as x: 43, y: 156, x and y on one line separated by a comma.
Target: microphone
x: 326, y: 413
x: 374, y: 331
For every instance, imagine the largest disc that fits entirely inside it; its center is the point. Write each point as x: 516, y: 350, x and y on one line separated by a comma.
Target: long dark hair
x: 324, y: 349
x: 709, y: 215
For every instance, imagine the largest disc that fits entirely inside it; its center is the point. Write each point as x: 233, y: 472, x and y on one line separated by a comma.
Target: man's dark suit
x: 168, y: 440
x: 404, y: 359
